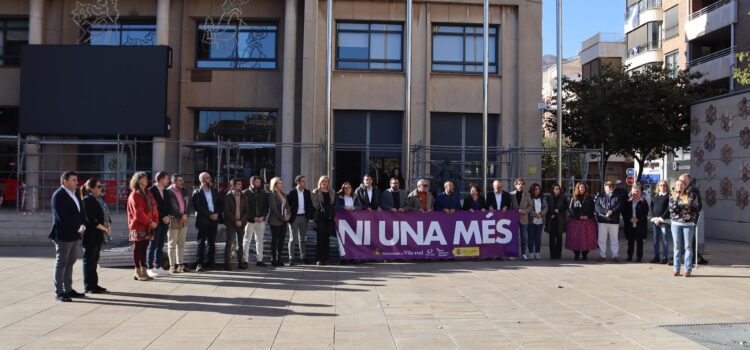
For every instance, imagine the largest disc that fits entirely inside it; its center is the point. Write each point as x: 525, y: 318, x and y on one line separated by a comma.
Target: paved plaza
x: 442, y: 305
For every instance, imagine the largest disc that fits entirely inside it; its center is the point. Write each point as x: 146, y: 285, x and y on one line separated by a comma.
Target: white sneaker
x: 538, y: 256
x: 161, y: 271
x: 524, y: 257
x: 152, y: 273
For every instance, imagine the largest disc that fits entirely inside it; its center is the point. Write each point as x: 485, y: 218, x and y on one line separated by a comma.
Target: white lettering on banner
x: 462, y: 232
x: 387, y: 242
x: 402, y: 232
x: 434, y: 234
x: 355, y: 236
x: 407, y: 231
x: 501, y: 229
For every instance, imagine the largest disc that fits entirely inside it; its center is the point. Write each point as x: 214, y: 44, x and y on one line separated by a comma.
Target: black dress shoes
x: 63, y: 298
x: 74, y: 294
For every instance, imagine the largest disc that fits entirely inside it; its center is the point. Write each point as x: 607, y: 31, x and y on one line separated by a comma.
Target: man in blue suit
x: 448, y: 201
x: 68, y: 225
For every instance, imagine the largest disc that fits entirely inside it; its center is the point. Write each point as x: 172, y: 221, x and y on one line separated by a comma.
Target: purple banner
x: 368, y: 235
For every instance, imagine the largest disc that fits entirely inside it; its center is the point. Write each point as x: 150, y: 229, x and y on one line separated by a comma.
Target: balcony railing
x: 708, y: 9
x: 712, y: 56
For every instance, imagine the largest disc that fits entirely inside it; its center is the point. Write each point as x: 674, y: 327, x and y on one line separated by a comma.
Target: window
x: 237, y: 46
x: 236, y: 126
x: 460, y: 48
x: 13, y: 34
x: 456, y: 141
x: 122, y: 34
x: 671, y: 22
x: 646, y: 37
x: 369, y: 46
x: 671, y: 62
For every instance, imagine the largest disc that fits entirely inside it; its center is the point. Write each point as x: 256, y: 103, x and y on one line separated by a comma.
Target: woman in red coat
x: 143, y: 218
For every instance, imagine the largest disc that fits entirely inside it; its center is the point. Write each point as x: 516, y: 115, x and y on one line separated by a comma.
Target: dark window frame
x: 674, y: 70
x: 86, y: 35
x: 234, y: 61
x: 465, y: 63
x: 197, y: 112
x: 369, y: 33
x: 4, y: 29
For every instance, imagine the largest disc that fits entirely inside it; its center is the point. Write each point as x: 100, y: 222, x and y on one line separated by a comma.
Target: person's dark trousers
x: 156, y: 247
x: 578, y: 254
x: 234, y: 235
x: 206, y: 235
x: 90, y: 260
x: 555, y: 244
x: 638, y: 243
x: 277, y: 241
x: 66, y: 254
x: 323, y: 242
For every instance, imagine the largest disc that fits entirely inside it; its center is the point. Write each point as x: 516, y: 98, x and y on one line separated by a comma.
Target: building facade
x: 247, y: 87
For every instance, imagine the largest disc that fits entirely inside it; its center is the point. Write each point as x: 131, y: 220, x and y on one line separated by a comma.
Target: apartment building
x: 255, y: 103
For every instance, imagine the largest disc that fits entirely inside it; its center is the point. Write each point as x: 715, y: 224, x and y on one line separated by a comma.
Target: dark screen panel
x: 94, y: 90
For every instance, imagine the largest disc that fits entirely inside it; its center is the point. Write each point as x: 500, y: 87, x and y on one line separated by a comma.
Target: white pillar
x: 288, y: 88
x: 36, y: 37
x: 159, y: 150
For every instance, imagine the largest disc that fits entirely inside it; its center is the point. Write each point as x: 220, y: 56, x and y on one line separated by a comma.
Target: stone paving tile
x: 449, y: 305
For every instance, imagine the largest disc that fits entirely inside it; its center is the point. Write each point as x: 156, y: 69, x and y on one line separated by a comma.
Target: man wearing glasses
x: 421, y: 199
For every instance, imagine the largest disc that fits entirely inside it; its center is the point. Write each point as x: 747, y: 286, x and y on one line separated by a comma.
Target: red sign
x: 630, y: 181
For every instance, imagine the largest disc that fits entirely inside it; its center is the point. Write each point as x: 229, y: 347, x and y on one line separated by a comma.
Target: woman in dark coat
x: 474, y: 201
x: 324, y: 202
x: 556, y: 220
x: 98, y: 227
x: 635, y: 216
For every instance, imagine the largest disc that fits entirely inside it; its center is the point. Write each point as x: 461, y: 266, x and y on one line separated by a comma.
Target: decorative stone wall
x: 720, y: 162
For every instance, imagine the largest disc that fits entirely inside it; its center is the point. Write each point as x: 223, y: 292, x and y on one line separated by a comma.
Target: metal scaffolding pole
x: 485, y: 78
x: 559, y: 92
x: 407, y: 97
x: 329, y: 126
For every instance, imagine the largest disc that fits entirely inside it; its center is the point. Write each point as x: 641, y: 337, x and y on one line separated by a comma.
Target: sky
x: 581, y: 20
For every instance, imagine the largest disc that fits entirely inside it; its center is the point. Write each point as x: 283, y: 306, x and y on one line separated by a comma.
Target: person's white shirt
x: 209, y: 199
x: 301, y: 201
x: 369, y: 194
x: 348, y: 202
x: 499, y: 199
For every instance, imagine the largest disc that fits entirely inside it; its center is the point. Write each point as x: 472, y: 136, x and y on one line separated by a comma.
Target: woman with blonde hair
x: 143, y: 218
x: 278, y: 218
x: 324, y: 202
x: 660, y: 221
x: 581, y: 226
x: 683, y: 208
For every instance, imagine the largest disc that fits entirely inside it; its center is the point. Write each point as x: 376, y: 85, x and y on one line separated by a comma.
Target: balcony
x: 714, y: 66
x: 710, y: 18
x: 643, y: 12
x: 603, y: 45
x: 649, y: 52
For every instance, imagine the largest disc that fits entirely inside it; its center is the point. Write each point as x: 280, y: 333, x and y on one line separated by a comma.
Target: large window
x: 122, y: 34
x: 460, y: 48
x: 236, y: 126
x: 237, y: 46
x: 369, y: 46
x: 672, y: 22
x: 671, y: 61
x: 646, y: 37
x: 456, y: 141
x: 14, y: 33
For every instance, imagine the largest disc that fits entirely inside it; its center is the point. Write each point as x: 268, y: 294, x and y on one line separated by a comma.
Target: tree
x: 742, y: 74
x: 643, y: 113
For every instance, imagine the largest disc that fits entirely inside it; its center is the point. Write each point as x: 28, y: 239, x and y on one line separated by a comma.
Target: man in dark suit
x: 235, y: 217
x: 367, y: 196
x: 300, y: 204
x: 164, y: 208
x: 498, y: 199
x: 207, y: 217
x: 68, y: 225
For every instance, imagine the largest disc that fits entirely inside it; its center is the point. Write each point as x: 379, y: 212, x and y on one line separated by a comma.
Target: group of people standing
x: 159, y: 214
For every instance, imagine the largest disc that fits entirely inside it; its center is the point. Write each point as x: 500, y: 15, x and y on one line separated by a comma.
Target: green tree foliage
x: 742, y: 72
x: 643, y: 113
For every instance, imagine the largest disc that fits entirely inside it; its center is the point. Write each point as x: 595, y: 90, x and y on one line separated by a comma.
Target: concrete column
x: 32, y: 160
x: 288, y: 88
x: 158, y: 153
